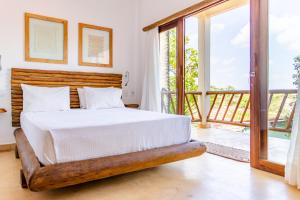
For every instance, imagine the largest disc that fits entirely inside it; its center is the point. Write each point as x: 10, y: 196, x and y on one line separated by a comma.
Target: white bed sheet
x: 79, y: 134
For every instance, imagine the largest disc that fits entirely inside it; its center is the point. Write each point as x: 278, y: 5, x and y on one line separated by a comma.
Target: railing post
x: 204, y: 67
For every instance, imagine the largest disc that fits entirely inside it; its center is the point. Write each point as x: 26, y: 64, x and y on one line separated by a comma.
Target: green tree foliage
x: 228, y: 88
x: 297, y: 68
x: 172, y: 60
x: 191, y: 70
x: 191, y: 66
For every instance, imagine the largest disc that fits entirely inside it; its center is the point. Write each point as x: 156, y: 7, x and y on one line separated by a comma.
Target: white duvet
x: 73, y: 135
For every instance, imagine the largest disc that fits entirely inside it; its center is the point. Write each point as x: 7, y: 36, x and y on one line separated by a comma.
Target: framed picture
x: 46, y: 39
x: 95, y: 46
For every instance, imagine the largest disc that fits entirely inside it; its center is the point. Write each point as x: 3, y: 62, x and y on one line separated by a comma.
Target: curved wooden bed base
x: 37, y: 177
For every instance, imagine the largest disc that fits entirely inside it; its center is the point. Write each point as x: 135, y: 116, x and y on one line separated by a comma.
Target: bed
x: 63, y: 148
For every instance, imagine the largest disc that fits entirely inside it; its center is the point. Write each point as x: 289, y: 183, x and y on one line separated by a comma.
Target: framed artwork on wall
x: 95, y: 46
x: 46, y: 39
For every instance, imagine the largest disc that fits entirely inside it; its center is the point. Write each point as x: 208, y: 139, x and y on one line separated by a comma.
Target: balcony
x: 229, y: 118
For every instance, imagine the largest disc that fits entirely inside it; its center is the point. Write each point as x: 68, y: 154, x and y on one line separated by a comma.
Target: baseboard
x: 7, y: 147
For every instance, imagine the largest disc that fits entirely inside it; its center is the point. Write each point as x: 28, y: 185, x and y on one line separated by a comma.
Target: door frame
x: 259, y: 54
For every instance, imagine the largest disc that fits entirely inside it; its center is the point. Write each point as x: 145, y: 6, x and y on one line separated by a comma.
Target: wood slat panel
x: 280, y: 110
x: 212, y: 106
x: 56, y: 78
x: 189, y: 107
x: 237, y: 107
x: 245, y: 111
x: 197, y: 107
x: 270, y: 100
x: 228, y: 106
x: 220, y: 106
x: 289, y: 123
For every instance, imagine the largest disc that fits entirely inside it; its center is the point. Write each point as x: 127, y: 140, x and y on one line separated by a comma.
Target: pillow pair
x: 43, y: 99
x: 100, y: 98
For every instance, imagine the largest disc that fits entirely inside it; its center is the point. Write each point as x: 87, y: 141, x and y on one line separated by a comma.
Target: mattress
x: 79, y: 134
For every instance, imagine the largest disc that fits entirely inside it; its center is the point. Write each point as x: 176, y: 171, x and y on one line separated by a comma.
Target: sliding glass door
x: 283, y: 75
x: 171, y: 67
x: 274, y: 71
x: 274, y: 74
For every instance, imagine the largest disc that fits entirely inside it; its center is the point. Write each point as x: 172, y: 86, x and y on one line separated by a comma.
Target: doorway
x: 191, y: 72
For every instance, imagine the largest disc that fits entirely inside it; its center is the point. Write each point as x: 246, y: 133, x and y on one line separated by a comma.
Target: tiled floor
x: 278, y: 148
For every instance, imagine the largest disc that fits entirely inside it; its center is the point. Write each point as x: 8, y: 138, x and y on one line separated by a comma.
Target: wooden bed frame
x: 38, y: 177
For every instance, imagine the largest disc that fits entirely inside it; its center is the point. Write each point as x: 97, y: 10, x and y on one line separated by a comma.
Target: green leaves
x: 297, y: 68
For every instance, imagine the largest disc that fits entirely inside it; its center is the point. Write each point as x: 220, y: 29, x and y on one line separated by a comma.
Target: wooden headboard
x: 51, y: 78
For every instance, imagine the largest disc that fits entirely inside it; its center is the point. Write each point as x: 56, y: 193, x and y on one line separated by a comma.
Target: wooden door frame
x: 259, y: 88
x: 180, y: 60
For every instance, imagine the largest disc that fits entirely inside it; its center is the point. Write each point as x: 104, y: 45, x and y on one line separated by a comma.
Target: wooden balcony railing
x: 233, y: 107
x: 229, y: 107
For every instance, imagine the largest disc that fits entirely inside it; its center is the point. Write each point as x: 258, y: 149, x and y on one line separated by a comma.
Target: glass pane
x: 284, y: 68
x: 217, y: 75
x: 229, y: 68
x: 168, y: 51
x: 192, y: 94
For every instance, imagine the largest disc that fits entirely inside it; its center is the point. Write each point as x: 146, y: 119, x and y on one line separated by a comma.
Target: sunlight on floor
x: 278, y: 148
x: 207, y: 177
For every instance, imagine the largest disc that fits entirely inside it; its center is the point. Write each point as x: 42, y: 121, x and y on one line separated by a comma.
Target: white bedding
x: 63, y: 136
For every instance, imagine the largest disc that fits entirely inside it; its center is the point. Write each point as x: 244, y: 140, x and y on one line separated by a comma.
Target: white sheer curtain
x: 292, y: 169
x: 151, y: 98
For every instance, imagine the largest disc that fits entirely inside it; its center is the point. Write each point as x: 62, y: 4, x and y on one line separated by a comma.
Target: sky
x: 230, y: 45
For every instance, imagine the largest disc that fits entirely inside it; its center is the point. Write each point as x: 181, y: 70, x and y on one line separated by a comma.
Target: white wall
x: 150, y: 11
x: 154, y: 10
x: 126, y: 17
x: 121, y: 15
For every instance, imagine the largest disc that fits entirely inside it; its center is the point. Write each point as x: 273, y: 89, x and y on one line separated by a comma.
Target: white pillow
x: 81, y: 95
x: 101, y: 98
x: 42, y: 99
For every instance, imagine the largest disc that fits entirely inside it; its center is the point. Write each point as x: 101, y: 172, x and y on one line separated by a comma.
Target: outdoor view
x: 229, y: 64
x: 284, y: 57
